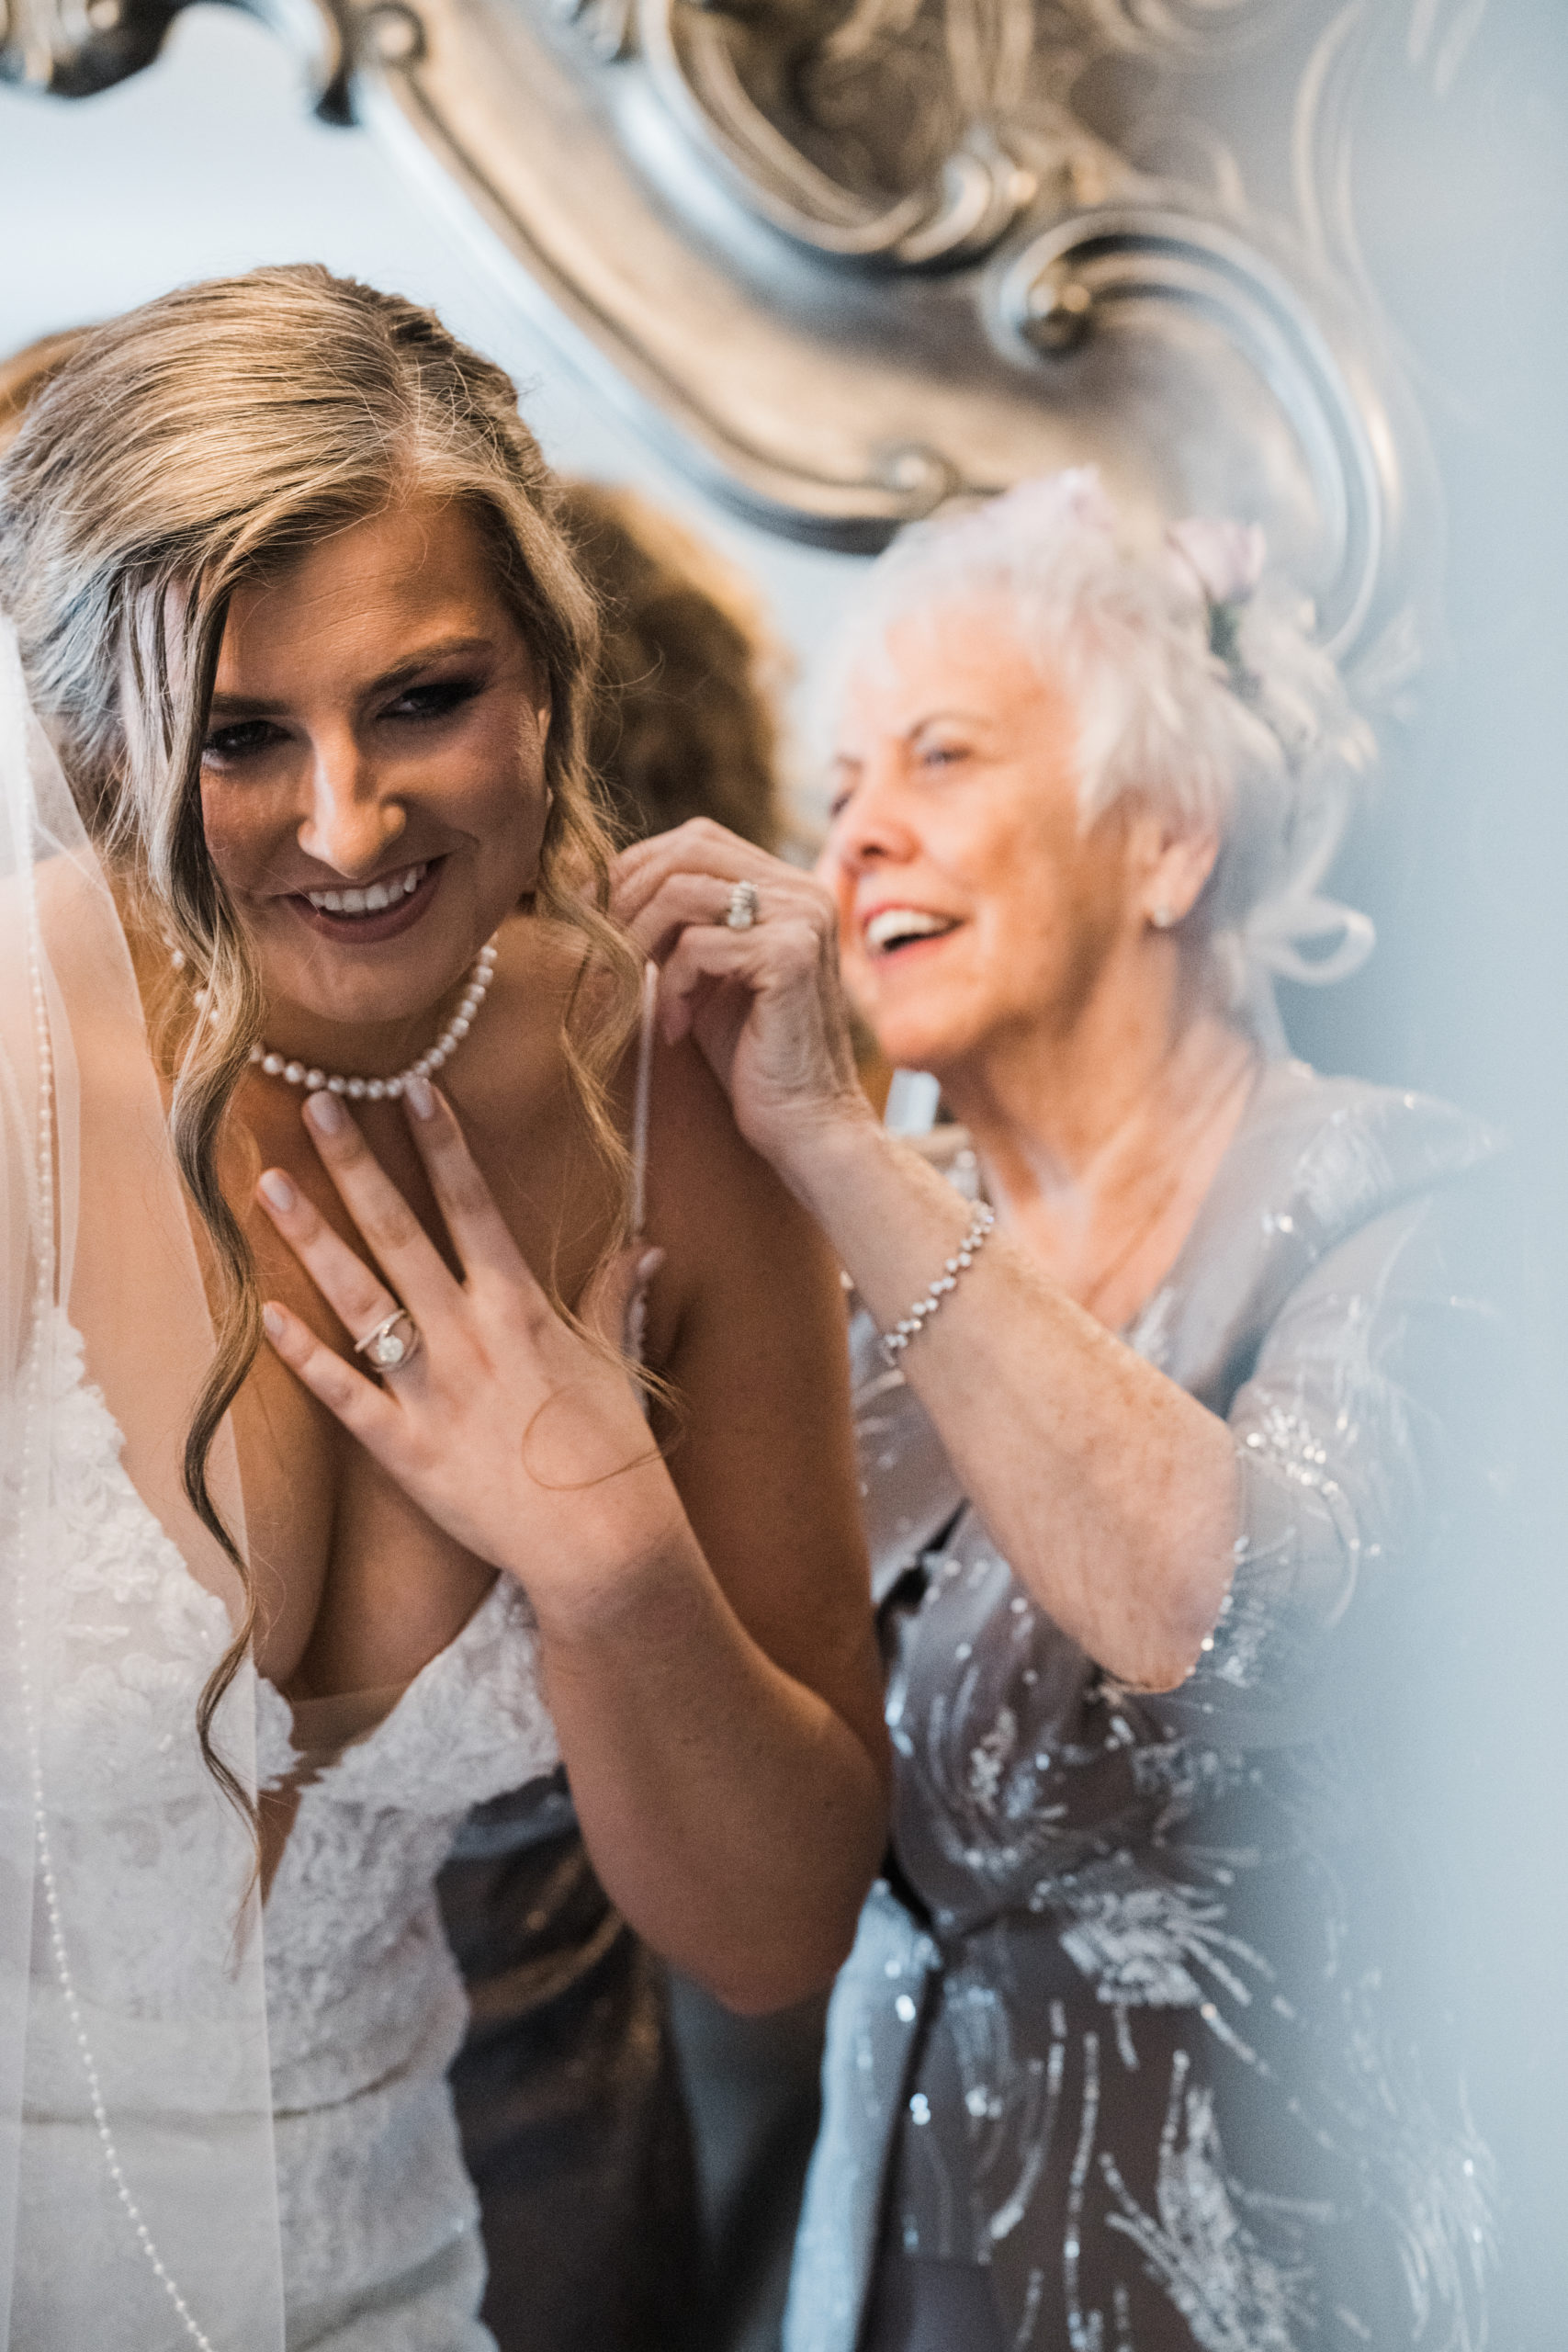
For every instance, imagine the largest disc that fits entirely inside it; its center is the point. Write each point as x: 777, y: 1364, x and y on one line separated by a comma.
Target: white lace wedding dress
x: 364, y: 2008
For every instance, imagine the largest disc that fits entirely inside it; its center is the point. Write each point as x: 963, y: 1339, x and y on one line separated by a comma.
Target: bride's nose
x: 351, y: 822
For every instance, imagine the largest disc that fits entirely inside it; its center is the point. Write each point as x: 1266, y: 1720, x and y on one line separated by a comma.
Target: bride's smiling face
x: 373, y: 784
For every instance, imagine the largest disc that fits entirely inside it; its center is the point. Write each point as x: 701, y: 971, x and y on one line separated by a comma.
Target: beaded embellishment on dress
x: 364, y: 2007
x: 1137, y: 2029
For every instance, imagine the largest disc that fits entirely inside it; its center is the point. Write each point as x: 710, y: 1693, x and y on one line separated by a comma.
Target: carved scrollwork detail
x: 1194, y: 26
x: 1149, y: 273
x: 609, y: 27
x: 848, y: 258
x: 848, y: 131
x: 905, y: 132
x: 73, y: 49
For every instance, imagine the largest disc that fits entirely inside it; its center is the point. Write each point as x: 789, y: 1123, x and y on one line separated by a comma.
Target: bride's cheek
x: 244, y: 835
x: 511, y: 805
x: 223, y: 829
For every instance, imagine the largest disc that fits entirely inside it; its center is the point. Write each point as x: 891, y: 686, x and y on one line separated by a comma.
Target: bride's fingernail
x: 648, y: 1265
x: 324, y: 1111
x: 275, y: 1187
x: 272, y: 1322
x: 420, y: 1096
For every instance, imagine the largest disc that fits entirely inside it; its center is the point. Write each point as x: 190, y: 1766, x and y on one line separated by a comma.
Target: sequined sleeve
x: 1348, y: 1445
x: 1021, y: 1759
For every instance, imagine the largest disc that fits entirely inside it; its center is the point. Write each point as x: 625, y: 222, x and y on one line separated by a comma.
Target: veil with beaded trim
x: 138, y: 2199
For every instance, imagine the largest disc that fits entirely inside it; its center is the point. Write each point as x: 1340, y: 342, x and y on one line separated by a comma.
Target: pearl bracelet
x: 893, y: 1343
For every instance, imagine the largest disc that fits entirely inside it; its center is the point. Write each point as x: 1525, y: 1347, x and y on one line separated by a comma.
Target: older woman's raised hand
x: 748, y: 952
x: 1111, y: 1491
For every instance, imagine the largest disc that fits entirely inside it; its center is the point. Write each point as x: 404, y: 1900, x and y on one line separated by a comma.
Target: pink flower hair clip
x: 1226, y: 559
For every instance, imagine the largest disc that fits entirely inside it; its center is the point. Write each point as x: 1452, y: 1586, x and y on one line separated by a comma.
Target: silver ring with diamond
x: 743, y: 905
x: 389, y: 1348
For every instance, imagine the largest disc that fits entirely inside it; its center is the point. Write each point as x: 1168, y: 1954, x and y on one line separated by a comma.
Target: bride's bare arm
x: 722, y: 1731
x: 746, y: 1321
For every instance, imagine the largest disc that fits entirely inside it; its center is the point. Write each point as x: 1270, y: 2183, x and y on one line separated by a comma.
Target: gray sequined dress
x: 1121, y: 2024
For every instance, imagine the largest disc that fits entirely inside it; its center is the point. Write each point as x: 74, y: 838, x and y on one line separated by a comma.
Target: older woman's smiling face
x: 974, y: 903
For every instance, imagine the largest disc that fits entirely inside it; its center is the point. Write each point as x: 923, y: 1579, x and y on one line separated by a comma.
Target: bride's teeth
x: 371, y: 901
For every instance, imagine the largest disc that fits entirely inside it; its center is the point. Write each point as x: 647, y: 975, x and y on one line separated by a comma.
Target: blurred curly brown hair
x: 684, y: 722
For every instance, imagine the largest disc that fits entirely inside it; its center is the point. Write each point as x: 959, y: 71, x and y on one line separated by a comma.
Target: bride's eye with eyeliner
x: 436, y: 700
x: 239, y: 739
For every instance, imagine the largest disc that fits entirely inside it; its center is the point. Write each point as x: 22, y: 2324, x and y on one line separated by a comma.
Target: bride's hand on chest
x: 503, y: 1438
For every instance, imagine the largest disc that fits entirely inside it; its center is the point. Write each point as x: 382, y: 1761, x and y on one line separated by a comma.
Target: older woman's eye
x: 943, y: 754
x: 842, y: 778
x: 240, y: 739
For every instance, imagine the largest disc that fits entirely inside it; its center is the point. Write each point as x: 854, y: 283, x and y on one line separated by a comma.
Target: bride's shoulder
x: 548, y: 982
x: 547, y: 972
x: 714, y: 1205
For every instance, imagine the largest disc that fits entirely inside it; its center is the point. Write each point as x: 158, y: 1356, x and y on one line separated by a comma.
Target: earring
x: 1163, y: 917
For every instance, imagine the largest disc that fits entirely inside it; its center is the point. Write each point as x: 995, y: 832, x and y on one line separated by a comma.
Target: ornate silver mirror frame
x: 845, y: 259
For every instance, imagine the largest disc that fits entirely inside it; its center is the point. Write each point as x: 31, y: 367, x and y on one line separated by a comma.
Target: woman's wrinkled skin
x: 1074, y: 1037
x: 1122, y: 2052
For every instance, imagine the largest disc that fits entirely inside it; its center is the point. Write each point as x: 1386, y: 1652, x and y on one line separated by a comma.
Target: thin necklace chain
x: 1144, y: 1231
x: 267, y: 1060
x: 1140, y: 1233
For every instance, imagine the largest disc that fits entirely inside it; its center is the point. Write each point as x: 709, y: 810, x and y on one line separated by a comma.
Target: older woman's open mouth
x: 891, y: 930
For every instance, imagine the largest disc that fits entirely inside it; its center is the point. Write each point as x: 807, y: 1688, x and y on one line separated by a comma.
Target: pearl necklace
x: 379, y: 1090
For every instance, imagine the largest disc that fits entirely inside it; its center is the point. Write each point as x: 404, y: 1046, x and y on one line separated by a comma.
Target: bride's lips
x: 369, y: 931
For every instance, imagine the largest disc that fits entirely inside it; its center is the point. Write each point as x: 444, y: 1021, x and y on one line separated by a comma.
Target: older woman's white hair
x: 1197, y: 688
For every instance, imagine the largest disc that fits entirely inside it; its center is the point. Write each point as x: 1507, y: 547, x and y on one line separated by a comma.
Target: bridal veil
x: 138, y: 2206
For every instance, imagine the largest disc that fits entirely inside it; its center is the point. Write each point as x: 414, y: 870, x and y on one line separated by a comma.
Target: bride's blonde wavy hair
x: 184, y: 449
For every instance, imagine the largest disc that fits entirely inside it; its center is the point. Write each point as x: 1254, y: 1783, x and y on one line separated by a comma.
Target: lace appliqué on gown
x: 364, y: 2007
x: 124, y: 1640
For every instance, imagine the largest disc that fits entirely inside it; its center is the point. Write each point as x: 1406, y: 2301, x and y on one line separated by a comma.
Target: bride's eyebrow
x: 445, y: 648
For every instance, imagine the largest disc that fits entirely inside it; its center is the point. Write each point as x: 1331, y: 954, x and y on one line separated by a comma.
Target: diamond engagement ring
x: 743, y: 905
x: 393, y: 1343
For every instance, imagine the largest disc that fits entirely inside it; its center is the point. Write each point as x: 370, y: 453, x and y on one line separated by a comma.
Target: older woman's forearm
x: 734, y: 1817
x: 1111, y: 1491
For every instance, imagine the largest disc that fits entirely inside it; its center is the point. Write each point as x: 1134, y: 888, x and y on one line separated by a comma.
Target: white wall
x: 210, y: 161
